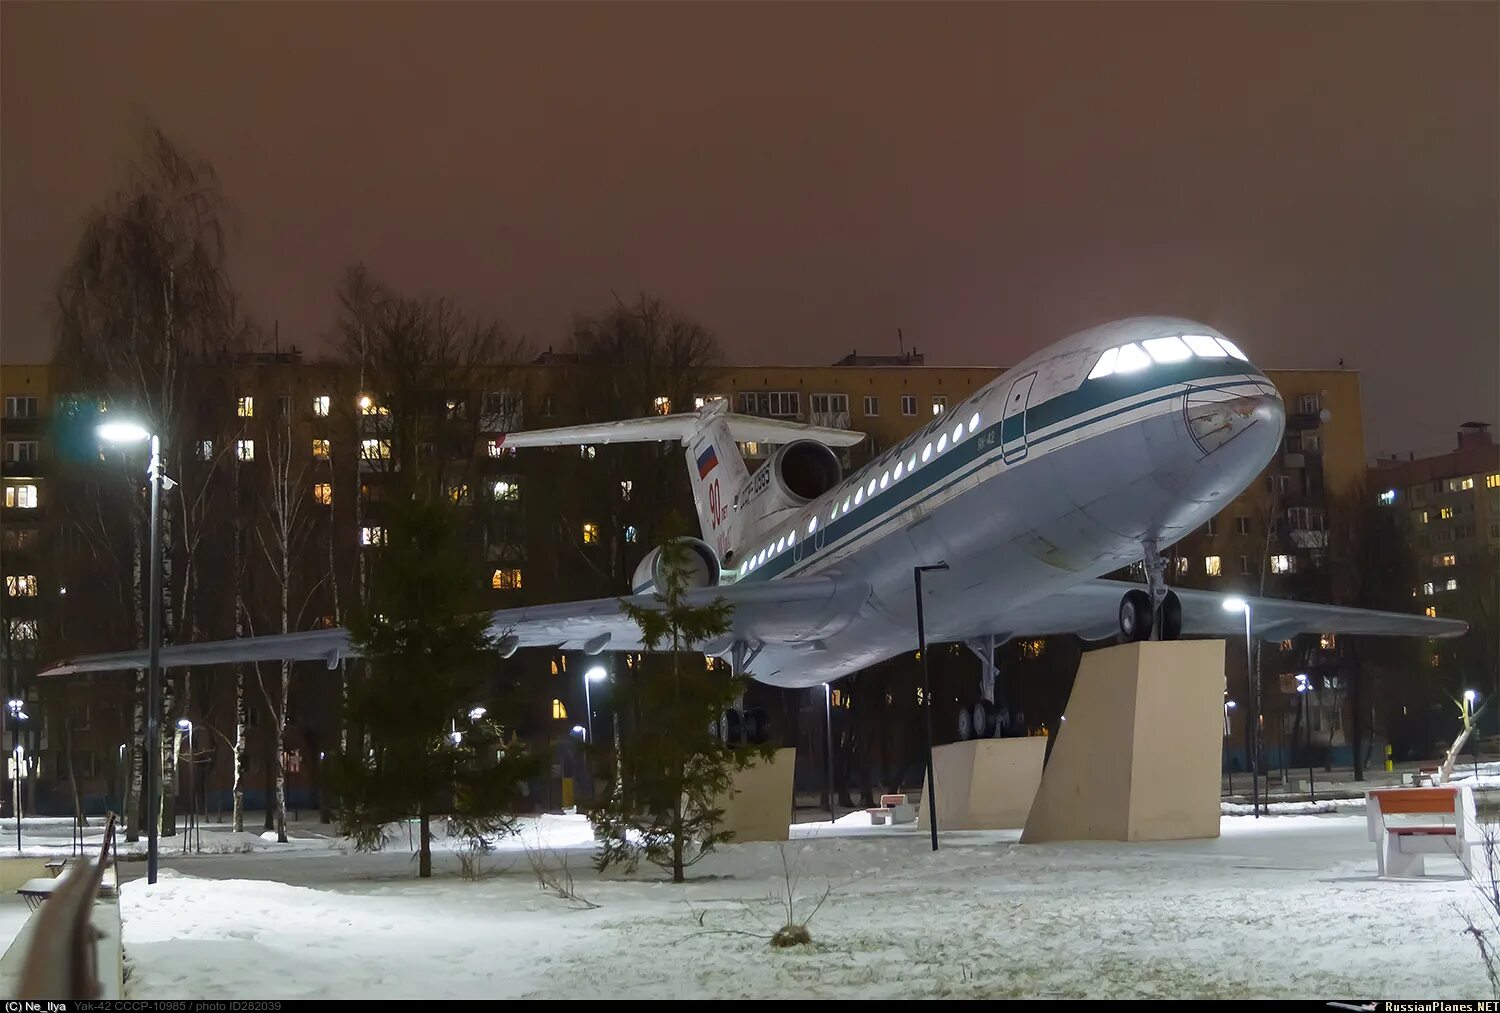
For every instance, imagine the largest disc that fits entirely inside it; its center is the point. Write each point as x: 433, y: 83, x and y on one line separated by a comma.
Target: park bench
x: 37, y: 890
x: 1400, y: 845
x: 893, y: 809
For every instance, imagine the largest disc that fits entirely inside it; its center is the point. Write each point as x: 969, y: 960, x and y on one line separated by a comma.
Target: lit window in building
x: 1033, y: 648
x: 22, y: 497
x: 1281, y: 564
x: 510, y: 580
x: 507, y: 490
x: 1183, y: 564
x: 497, y: 448
x: 369, y: 406
x: 1446, y: 513
x: 458, y: 493
x: 1492, y: 481
x: 1388, y: 497
x: 626, y: 487
x: 1430, y: 611
x: 630, y: 533
x: 1424, y: 517
x: 23, y: 629
x: 21, y: 585
x: 374, y: 535
x: 244, y: 450
x: 1447, y: 559
x: 587, y: 452
x: 323, y: 493
x: 320, y: 448
x: 1213, y: 566
x: 245, y: 407
x: 321, y: 404
x: 375, y: 450
x: 1436, y: 661
x: 1452, y: 585
x: 590, y: 533
x: 1428, y: 588
x: 205, y: 450
x: 663, y: 405
x: 559, y: 712
x: 1328, y: 641
x: 939, y: 405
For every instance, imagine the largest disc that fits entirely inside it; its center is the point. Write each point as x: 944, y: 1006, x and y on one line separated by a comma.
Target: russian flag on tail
x: 707, y: 461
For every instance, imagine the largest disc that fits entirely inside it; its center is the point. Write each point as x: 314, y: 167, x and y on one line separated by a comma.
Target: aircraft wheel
x: 982, y: 719
x: 757, y: 726
x: 1135, y: 616
x: 965, y: 725
x: 1171, y: 617
x: 734, y: 728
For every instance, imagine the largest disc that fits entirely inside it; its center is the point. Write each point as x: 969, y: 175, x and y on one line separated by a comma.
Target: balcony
x: 1305, y: 538
x: 830, y: 420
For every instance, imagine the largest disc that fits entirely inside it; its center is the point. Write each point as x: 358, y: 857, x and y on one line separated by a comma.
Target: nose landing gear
x: 1156, y: 610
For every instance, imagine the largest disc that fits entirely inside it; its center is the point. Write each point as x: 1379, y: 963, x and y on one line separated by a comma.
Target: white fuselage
x: 1045, y: 477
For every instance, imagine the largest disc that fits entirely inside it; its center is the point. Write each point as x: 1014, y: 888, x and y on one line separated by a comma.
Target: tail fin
x: 718, y: 476
x: 715, y: 468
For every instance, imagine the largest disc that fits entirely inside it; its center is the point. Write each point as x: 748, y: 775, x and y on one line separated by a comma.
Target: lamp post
x: 1253, y: 744
x: 917, y: 572
x: 191, y: 822
x: 1469, y: 697
x: 17, y: 710
x: 595, y: 674
x: 828, y: 739
x: 132, y: 432
x: 1302, y: 690
x: 1228, y: 770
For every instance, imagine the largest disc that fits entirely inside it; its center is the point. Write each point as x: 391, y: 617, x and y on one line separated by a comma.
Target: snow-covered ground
x: 1280, y: 906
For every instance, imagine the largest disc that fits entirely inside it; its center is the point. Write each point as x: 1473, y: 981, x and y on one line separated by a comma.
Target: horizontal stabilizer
x: 681, y: 428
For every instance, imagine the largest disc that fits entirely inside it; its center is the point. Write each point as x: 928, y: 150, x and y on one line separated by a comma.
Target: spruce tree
x: 431, y: 752
x: 663, y: 800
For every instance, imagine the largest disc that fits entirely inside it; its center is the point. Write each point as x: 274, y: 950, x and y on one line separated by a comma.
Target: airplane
x: 1099, y: 451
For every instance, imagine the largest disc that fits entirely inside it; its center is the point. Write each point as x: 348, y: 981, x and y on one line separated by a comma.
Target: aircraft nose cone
x: 1217, y: 418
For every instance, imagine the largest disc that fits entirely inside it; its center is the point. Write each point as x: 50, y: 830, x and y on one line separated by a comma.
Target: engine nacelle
x: 798, y: 473
x: 700, y: 563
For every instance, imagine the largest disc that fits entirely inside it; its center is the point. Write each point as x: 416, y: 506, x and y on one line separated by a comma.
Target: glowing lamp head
x: 123, y: 432
x: 477, y: 713
x: 596, y: 674
x: 1470, y: 696
x: 184, y: 724
x: 579, y: 730
x: 1235, y: 605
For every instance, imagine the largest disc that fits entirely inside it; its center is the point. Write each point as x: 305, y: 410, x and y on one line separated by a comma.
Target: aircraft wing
x: 1088, y: 609
x: 772, y: 611
x: 682, y: 427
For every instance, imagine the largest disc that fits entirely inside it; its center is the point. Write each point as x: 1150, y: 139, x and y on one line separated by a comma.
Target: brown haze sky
x: 1320, y: 182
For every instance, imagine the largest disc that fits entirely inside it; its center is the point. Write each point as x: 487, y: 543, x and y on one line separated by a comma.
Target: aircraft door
x: 1013, y: 420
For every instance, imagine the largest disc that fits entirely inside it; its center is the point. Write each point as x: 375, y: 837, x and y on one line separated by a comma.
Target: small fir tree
x: 664, y: 798
x: 428, y: 656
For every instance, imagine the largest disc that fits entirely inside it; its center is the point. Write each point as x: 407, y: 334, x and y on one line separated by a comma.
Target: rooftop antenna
x: 901, y: 342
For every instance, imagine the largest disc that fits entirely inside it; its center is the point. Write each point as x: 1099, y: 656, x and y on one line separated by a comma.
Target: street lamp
x: 1470, y: 696
x: 917, y: 572
x: 1303, y: 686
x: 828, y: 733
x: 595, y: 674
x: 125, y: 431
x: 1237, y: 604
x: 1228, y: 771
x: 191, y: 822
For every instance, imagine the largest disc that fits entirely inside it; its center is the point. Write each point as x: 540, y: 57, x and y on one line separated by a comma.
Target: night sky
x: 1319, y: 182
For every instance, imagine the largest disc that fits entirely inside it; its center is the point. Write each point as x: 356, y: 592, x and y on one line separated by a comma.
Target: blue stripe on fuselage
x: 1166, y: 381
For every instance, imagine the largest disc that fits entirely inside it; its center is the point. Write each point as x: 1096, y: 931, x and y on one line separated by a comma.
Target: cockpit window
x: 1132, y: 357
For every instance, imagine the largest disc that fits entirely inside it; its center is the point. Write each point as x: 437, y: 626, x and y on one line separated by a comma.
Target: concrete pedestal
x: 760, y: 807
x: 1137, y: 756
x: 984, y: 784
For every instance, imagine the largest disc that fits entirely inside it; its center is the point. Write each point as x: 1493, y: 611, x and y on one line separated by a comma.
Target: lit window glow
x: 973, y: 423
x: 812, y: 525
x: 1106, y: 364
x: 870, y: 489
x: 1213, y: 566
x: 911, y: 462
x: 1233, y: 349
x: 926, y: 453
x: 958, y: 432
x: 942, y: 443
x: 900, y: 467
x: 1203, y: 346
x: 885, y: 480
x: 1132, y: 359
x: 1167, y: 349
x: 859, y: 497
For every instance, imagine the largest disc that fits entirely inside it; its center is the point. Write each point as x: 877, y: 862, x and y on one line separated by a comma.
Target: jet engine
x: 796, y: 474
x: 700, y: 565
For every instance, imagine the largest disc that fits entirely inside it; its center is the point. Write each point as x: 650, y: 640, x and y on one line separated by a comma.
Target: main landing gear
x: 985, y: 718
x: 1156, y: 610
